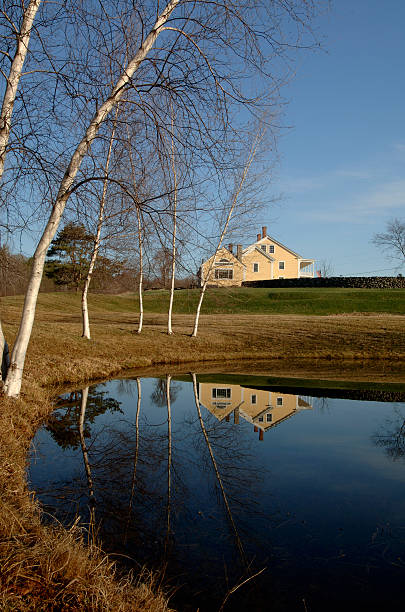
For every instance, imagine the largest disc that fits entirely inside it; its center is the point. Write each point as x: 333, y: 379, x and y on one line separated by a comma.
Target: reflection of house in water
x: 263, y: 408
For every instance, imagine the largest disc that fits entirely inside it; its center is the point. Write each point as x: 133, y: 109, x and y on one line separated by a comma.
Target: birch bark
x: 14, y: 378
x: 140, y: 241
x: 173, y: 278
x: 97, y: 241
x: 252, y: 153
x: 140, y: 286
x: 23, y: 39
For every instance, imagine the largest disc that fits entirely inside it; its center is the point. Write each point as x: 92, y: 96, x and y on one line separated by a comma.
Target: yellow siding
x: 280, y: 254
x: 233, y: 265
x: 264, y: 272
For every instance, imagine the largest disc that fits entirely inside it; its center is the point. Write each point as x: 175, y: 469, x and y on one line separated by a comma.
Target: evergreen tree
x: 69, y: 256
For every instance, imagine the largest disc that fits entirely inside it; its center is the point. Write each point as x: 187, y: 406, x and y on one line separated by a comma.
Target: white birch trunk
x: 169, y: 320
x: 140, y: 287
x: 140, y: 242
x: 252, y: 153
x: 23, y: 39
x: 14, y: 378
x: 94, y: 255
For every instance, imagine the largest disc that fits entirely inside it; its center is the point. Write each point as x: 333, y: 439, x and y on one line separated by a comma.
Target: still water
x: 259, y: 495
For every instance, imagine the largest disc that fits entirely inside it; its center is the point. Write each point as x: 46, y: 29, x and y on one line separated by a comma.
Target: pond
x: 246, y: 491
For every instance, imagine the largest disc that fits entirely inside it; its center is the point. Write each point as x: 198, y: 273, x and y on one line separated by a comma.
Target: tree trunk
x: 173, y: 278
x: 100, y: 221
x: 14, y: 378
x: 23, y: 39
x: 140, y: 241
x: 140, y: 288
x: 251, y: 156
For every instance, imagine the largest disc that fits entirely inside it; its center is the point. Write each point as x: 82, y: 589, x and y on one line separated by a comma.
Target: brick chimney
x: 239, y: 252
x: 264, y: 231
x: 259, y: 237
x: 230, y: 247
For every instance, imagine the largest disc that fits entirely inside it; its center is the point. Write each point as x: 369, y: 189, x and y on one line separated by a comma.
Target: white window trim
x: 258, y: 268
x: 281, y: 262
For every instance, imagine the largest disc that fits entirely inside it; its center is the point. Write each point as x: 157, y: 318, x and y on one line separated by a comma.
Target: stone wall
x: 355, y: 282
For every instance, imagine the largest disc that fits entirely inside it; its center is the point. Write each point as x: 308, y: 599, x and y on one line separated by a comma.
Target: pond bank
x: 52, y: 565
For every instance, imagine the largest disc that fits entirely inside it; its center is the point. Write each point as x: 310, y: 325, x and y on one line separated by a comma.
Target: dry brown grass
x: 45, y: 568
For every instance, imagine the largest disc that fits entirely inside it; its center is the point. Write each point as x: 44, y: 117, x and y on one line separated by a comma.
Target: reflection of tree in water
x: 63, y: 424
x: 159, y: 394
x: 144, y: 481
x: 392, y: 434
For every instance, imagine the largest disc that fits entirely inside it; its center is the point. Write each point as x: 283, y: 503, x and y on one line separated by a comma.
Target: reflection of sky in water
x: 315, y: 496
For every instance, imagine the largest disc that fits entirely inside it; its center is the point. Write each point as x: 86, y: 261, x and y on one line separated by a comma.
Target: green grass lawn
x: 306, y: 301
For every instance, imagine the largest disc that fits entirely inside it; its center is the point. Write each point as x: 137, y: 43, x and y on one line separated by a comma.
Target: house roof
x: 223, y: 253
x: 253, y: 247
x: 279, y: 244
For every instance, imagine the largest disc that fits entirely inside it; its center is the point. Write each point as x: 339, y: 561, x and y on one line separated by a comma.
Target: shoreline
x: 40, y: 564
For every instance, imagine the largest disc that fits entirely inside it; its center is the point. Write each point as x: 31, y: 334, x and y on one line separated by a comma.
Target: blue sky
x: 342, y: 162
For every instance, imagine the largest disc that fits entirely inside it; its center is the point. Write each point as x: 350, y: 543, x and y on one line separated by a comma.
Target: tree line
x: 138, y: 121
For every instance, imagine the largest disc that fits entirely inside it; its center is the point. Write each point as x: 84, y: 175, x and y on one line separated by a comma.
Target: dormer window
x: 263, y: 247
x: 271, y: 248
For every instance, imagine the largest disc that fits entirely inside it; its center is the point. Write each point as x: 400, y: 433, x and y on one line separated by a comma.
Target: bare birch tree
x: 205, y: 48
x: 22, y: 36
x: 97, y: 239
x: 14, y: 377
x: 174, y: 226
x: 252, y: 153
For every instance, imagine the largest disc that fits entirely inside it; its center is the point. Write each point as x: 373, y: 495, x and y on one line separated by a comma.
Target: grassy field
x: 305, y: 301
x: 40, y: 566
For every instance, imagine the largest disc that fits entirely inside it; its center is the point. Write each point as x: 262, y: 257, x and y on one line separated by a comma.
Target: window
x: 260, y: 419
x: 271, y: 248
x: 221, y: 393
x: 224, y: 274
x: 255, y: 267
x: 281, y: 277
x: 269, y: 417
x: 279, y: 401
x: 263, y: 247
x: 253, y: 399
x: 281, y: 265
